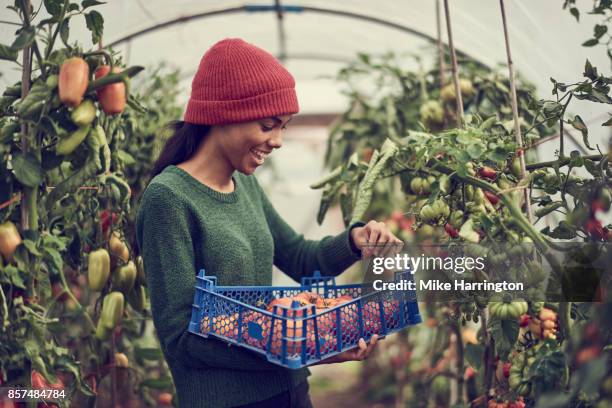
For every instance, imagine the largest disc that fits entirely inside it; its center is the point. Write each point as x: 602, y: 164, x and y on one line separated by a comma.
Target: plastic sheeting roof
x: 546, y: 40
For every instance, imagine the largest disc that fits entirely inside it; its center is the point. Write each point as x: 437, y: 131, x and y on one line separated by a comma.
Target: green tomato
x: 456, y: 219
x: 428, y: 213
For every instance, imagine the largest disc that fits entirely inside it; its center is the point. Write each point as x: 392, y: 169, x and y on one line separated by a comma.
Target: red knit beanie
x: 237, y: 82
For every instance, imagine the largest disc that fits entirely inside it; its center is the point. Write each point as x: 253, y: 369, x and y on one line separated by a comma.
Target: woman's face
x: 247, y: 145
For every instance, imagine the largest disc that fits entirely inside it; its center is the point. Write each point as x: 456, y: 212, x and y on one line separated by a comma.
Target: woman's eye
x: 266, y: 128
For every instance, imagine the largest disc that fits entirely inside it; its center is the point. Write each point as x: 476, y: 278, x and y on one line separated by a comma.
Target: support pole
x: 517, y: 124
x: 26, y: 71
x: 282, y: 39
x: 442, y: 62
x: 459, y: 99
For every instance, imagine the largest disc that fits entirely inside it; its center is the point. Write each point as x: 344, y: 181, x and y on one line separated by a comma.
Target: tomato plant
x: 465, y: 187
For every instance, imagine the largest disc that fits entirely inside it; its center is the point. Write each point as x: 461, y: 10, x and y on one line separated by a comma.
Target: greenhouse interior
x: 432, y: 229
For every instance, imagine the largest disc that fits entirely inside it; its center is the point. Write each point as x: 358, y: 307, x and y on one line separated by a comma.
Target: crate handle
x: 206, y: 282
x: 318, y: 280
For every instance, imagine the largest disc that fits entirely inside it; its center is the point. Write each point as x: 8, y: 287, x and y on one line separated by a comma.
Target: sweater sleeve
x: 299, y: 257
x: 163, y: 233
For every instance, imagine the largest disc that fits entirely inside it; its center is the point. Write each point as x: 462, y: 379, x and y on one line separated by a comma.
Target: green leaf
x: 7, y: 53
x: 147, y: 353
x: 24, y: 39
x: 475, y: 150
x: 473, y: 354
x: 90, y: 3
x: 497, y: 154
x: 579, y: 124
x: 27, y: 170
x: 599, y: 31
x: 590, y: 43
x: 126, y: 158
x: 65, y: 30
x: 510, y: 329
x: 54, y: 7
x: 14, y: 275
x: 592, y: 168
x: 54, y: 259
x: 589, y: 71
x: 563, y: 231
x: 575, y: 12
x: 95, y: 24
x: 32, y: 248
x: 505, y: 333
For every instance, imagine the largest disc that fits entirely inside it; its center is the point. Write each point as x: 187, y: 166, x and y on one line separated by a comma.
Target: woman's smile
x: 259, y: 155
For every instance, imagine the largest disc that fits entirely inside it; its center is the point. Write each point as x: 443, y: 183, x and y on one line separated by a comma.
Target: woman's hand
x: 360, y: 353
x: 375, y: 238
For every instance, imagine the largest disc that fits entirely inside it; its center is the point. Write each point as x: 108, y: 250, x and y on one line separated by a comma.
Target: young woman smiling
x: 203, y: 208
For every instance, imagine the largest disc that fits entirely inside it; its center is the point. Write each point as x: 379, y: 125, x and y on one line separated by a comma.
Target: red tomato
x: 112, y: 97
x: 493, y: 199
x: 487, y: 172
x: 452, y: 232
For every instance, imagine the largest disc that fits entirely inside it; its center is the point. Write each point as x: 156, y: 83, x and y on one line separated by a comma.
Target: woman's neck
x: 209, y: 166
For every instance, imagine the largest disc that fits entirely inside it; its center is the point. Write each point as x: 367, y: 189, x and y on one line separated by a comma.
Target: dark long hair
x: 183, y: 143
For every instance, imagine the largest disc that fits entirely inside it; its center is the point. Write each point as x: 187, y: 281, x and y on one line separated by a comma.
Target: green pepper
x: 84, y: 114
x: 98, y: 269
x: 69, y: 144
x: 137, y: 298
x: 548, y: 208
x: 125, y: 277
x: 456, y: 219
x: 112, y: 310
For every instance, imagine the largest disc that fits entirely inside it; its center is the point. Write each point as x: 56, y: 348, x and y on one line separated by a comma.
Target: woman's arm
x: 164, y: 229
x: 299, y: 257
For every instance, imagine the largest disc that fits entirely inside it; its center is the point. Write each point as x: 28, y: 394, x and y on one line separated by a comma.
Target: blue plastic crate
x: 296, y: 336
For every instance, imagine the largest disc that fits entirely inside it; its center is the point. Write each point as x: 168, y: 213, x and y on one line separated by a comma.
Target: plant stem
x: 113, y: 371
x: 515, y: 115
x: 39, y: 58
x: 561, y: 162
x: 565, y: 319
x: 57, y: 29
x: 74, y: 299
x: 458, y: 97
x: 561, y: 133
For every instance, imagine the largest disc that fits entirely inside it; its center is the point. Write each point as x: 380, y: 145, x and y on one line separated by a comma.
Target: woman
x: 203, y: 209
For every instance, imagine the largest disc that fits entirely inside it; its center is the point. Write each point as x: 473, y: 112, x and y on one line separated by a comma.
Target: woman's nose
x: 276, y: 140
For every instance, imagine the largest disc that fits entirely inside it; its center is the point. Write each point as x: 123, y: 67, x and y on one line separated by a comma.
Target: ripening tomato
x: 112, y: 97
x: 487, y: 172
x: 165, y: 399
x: 73, y: 81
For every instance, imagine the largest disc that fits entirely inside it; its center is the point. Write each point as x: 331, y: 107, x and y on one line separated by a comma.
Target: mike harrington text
x: 437, y: 285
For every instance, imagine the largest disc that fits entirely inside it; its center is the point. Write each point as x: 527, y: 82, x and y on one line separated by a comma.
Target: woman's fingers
x: 373, y: 235
x: 362, y: 350
x: 371, y: 346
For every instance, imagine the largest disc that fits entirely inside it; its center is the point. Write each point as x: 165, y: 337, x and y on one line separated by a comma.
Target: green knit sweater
x: 183, y: 226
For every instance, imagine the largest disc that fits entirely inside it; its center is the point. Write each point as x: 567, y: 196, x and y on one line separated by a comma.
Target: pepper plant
x: 65, y: 201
